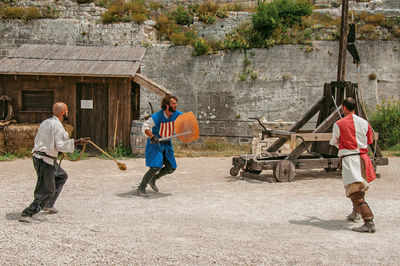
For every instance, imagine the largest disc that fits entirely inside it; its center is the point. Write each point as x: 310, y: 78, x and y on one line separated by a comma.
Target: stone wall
x: 289, y: 81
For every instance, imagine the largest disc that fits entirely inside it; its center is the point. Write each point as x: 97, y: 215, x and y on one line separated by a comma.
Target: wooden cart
x: 319, y: 154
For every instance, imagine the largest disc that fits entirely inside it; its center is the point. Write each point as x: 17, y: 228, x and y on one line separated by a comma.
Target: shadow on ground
x: 325, y: 224
x: 152, y: 195
x: 300, y: 175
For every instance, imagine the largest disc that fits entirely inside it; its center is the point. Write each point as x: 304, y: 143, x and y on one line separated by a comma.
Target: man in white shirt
x: 50, y: 139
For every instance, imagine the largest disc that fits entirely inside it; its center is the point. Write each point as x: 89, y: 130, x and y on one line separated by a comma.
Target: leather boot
x: 142, y: 192
x: 152, y: 184
x: 367, y: 227
x: 354, y: 216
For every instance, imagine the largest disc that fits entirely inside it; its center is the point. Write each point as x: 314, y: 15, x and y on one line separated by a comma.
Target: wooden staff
x: 121, y: 166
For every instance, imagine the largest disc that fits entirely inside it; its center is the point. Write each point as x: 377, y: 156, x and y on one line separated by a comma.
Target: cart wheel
x: 284, y: 171
x: 234, y: 171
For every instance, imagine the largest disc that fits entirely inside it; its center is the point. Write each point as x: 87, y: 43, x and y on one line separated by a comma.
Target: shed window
x: 37, y: 100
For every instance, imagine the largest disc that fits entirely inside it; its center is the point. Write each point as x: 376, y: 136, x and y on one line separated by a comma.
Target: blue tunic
x: 163, y: 127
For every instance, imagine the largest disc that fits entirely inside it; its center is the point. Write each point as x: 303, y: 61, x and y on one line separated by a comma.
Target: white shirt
x: 51, y: 139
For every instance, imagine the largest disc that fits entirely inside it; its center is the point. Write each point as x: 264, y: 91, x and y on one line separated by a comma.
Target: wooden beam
x: 151, y: 85
x: 329, y: 121
x: 318, y: 136
x: 307, y: 116
x: 341, y: 75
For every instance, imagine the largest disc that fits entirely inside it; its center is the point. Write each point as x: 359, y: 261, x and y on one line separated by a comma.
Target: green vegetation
x: 121, y: 11
x: 181, y: 16
x: 26, y: 13
x: 16, y: 155
x: 75, y: 155
x: 276, y: 22
x: 386, y: 121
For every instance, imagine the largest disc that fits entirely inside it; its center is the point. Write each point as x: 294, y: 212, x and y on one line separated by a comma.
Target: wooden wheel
x: 284, y: 171
x: 234, y: 171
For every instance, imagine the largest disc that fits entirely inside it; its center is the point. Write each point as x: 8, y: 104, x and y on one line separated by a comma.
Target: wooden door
x: 92, y: 114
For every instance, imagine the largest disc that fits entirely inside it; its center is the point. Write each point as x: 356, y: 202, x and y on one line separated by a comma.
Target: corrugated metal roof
x: 73, y: 60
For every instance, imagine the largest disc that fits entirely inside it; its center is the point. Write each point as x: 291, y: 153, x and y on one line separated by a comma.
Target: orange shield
x: 184, y: 123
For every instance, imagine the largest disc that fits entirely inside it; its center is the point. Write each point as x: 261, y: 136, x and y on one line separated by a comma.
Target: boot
x: 26, y: 219
x: 354, y: 216
x: 142, y: 192
x: 152, y: 184
x: 51, y: 210
x: 367, y: 227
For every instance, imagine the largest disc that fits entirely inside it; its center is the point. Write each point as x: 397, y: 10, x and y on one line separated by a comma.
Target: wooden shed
x: 90, y: 80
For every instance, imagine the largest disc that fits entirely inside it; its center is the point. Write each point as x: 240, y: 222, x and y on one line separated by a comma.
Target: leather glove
x: 154, y: 139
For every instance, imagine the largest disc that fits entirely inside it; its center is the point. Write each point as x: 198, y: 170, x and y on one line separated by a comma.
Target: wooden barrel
x: 138, y: 139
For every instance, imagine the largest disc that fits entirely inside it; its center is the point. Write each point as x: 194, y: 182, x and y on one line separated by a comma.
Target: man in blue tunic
x: 159, y: 154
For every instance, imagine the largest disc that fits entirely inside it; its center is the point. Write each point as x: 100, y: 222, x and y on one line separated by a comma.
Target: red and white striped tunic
x: 352, y: 135
x: 166, y: 129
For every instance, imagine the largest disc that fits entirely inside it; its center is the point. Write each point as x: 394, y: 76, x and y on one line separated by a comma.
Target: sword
x: 176, y: 135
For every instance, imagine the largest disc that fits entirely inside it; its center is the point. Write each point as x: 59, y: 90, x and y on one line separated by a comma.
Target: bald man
x: 50, y: 139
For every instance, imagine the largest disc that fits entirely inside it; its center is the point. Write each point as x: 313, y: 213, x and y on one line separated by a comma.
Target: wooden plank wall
x: 119, y: 89
x: 64, y: 89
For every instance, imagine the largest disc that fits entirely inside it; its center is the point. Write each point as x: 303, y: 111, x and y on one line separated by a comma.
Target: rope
x: 360, y: 99
x: 73, y: 160
x: 121, y: 166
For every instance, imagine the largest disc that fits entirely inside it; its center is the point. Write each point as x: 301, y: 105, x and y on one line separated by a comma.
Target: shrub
x: 26, y: 13
x: 108, y: 17
x: 121, y: 11
x: 207, y: 12
x: 376, y: 19
x: 155, y: 6
x: 181, y: 16
x: 291, y: 11
x: 139, y: 18
x: 239, y: 38
x: 165, y: 27
x: 266, y: 18
x: 201, y: 47
x: 386, y: 121
x: 367, y: 28
x: 187, y: 37
x: 222, y: 12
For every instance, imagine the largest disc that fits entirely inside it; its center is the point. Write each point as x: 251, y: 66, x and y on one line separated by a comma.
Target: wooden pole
x: 116, y: 126
x: 341, y: 75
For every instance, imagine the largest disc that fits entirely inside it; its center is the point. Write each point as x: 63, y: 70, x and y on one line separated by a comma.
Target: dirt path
x: 202, y: 216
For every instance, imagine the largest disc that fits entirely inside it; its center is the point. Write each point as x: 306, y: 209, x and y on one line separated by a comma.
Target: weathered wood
x: 284, y: 171
x: 343, y: 42
x: 266, y: 178
x: 318, y: 136
x: 332, y: 118
x: 307, y: 116
x: 151, y: 85
x: 317, y: 163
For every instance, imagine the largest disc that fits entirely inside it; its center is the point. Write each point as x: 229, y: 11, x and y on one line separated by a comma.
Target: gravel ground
x: 201, y: 216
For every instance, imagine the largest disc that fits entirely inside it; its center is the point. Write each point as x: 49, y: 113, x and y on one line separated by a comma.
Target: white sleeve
x: 61, y: 140
x: 335, y: 136
x: 149, y: 124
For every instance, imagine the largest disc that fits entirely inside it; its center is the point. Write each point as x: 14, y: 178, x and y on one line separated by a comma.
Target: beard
x: 65, y: 117
x: 171, y: 109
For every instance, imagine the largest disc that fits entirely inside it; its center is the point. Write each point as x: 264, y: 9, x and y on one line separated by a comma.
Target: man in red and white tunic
x: 352, y: 135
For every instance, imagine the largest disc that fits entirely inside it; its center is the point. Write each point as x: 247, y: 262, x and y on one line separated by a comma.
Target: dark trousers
x: 50, y: 181
x: 156, y: 172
